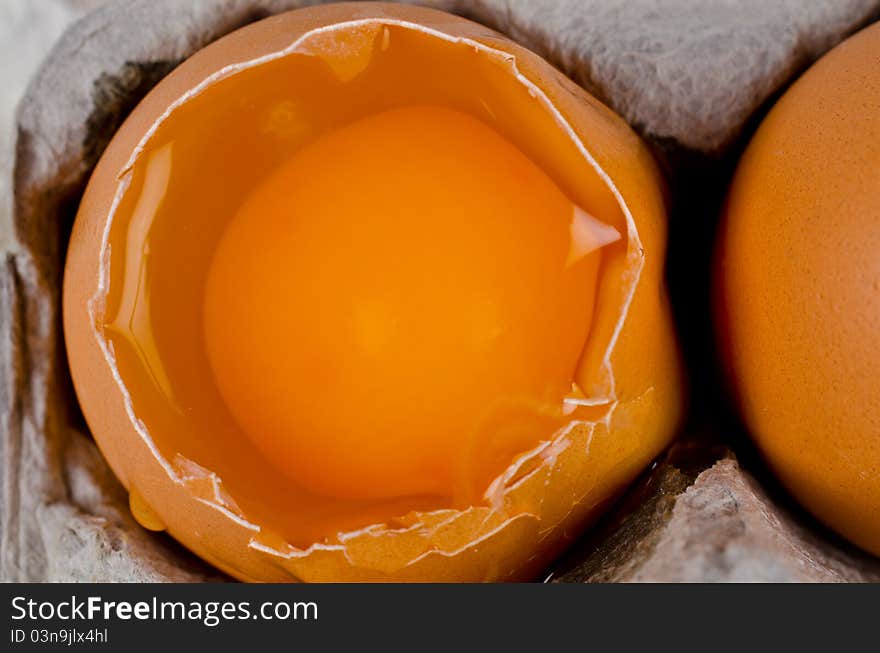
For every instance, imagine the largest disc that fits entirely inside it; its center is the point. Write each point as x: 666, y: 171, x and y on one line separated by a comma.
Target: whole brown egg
x: 799, y: 288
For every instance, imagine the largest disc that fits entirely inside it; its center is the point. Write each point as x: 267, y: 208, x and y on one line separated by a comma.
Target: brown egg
x: 369, y: 292
x: 799, y: 288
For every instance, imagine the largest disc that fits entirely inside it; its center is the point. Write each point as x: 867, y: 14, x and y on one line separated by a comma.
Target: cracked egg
x: 369, y: 292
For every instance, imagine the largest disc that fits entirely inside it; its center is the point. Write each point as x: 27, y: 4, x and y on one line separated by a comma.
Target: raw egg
x: 369, y: 292
x: 377, y: 312
x: 799, y: 288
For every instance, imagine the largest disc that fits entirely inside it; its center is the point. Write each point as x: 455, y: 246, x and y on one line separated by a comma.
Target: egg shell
x: 798, y: 283
x: 631, y: 364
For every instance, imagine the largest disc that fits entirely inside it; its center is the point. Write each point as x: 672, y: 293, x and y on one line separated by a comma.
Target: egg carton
x: 690, y: 77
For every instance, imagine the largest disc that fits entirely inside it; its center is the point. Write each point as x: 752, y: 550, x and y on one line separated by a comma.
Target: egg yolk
x: 399, y: 308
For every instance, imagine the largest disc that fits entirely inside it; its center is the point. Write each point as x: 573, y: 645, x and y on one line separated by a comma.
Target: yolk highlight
x: 399, y: 308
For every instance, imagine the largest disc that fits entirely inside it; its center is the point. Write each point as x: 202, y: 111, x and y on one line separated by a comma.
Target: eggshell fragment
x: 799, y: 288
x: 629, y: 373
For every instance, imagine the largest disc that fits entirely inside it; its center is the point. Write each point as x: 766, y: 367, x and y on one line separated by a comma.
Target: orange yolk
x: 399, y: 308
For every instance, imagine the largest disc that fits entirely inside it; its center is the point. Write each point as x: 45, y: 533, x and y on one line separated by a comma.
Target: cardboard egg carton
x: 691, y: 78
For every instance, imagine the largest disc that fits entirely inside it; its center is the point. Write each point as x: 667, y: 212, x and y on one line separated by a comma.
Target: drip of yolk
x: 400, y: 307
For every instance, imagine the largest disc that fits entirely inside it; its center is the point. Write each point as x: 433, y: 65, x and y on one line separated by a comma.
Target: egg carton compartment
x: 693, y: 81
